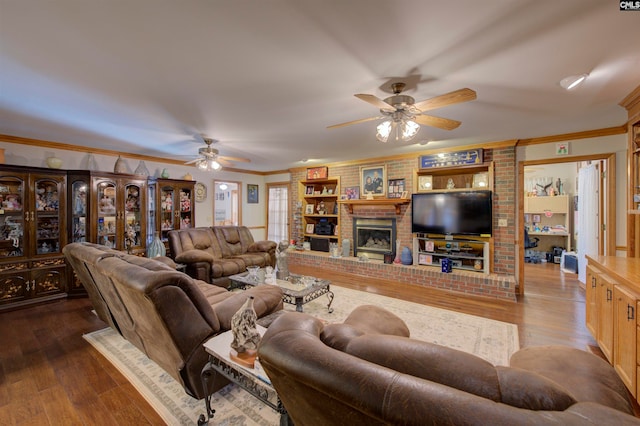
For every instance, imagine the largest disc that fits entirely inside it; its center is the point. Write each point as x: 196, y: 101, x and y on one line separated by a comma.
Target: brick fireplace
x: 374, y: 237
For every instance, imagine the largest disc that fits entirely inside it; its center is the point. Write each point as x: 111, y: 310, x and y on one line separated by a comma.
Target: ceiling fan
x: 404, y: 115
x: 209, y: 158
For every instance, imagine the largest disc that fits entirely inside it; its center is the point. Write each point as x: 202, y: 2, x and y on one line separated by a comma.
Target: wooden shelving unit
x: 319, y: 199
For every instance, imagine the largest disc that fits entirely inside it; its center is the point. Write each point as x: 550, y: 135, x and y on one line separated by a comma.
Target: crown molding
x: 618, y: 130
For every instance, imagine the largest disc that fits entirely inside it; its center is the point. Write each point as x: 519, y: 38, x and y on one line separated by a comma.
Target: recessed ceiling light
x: 572, y: 82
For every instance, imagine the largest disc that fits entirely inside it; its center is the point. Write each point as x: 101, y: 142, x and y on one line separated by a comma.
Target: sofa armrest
x: 262, y: 246
x: 193, y: 256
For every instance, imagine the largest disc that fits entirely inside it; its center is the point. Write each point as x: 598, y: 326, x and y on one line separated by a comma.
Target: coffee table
x: 253, y: 380
x: 294, y: 292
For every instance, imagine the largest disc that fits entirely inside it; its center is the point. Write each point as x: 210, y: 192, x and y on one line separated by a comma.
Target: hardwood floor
x: 49, y: 375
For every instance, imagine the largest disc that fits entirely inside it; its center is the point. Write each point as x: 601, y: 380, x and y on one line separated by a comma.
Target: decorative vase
x: 406, y: 257
x: 164, y: 174
x: 397, y: 259
x: 141, y: 169
x: 54, y: 162
x: 245, y: 334
x: 346, y: 247
x: 91, y: 162
x: 120, y: 166
x: 156, y: 247
x: 188, y: 176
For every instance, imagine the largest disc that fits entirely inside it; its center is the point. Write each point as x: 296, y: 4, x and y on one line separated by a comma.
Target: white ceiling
x: 266, y: 77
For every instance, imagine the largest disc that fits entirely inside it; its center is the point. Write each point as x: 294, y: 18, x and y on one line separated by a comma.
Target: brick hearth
x: 486, y: 285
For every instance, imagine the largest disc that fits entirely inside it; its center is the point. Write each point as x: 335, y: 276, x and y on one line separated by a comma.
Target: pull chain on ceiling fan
x: 404, y: 116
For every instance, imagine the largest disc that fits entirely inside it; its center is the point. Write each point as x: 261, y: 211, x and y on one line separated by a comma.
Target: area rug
x: 492, y: 340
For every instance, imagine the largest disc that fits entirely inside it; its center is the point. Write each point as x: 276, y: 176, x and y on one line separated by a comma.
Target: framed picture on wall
x: 396, y: 188
x: 252, y: 193
x: 352, y: 192
x: 372, y: 179
x: 317, y: 173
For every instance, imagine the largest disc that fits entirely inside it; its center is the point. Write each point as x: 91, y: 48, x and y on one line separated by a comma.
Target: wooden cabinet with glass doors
x: 171, y: 206
x: 108, y: 209
x: 32, y: 220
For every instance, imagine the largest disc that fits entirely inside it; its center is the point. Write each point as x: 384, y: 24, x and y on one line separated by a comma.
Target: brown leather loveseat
x: 367, y: 371
x: 164, y: 313
x: 213, y: 254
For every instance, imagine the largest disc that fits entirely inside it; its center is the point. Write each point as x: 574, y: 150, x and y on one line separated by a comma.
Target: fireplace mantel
x: 395, y: 202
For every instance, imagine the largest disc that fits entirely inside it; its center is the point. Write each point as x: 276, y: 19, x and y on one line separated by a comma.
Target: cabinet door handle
x: 33, y: 216
x: 630, y: 312
x: 609, y: 294
x: 593, y: 282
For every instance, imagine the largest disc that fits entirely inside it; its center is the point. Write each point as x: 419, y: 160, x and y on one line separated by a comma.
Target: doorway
x: 545, y: 220
x: 226, y: 203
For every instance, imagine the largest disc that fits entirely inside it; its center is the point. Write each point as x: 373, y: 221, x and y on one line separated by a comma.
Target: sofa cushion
x: 585, y: 376
x: 429, y: 361
x: 267, y: 300
x: 363, y: 319
x: 525, y: 389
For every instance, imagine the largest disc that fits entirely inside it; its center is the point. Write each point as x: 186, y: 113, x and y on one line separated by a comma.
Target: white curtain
x: 588, y: 189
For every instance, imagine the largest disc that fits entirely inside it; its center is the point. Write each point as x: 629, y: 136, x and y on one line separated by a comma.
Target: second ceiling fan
x: 404, y: 115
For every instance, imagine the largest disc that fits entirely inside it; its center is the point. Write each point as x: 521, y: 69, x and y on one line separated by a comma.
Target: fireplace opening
x: 374, y: 237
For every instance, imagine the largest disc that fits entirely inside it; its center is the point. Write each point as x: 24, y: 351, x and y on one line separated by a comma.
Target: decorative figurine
x: 244, y: 347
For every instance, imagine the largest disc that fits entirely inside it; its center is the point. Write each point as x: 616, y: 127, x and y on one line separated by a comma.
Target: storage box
x: 571, y: 263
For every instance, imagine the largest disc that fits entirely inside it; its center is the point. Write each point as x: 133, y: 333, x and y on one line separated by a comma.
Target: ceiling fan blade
x: 192, y: 161
x: 440, y: 123
x: 224, y: 162
x: 348, y: 123
x: 375, y: 101
x: 236, y: 159
x: 455, y: 97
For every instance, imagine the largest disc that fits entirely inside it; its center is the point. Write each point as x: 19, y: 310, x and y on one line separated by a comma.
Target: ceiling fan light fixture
x: 208, y: 165
x: 573, y: 82
x: 403, y: 130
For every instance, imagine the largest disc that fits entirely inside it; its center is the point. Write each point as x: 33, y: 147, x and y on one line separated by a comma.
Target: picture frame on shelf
x: 404, y: 195
x: 425, y: 183
x: 352, y: 192
x: 481, y: 180
x: 344, y: 197
x: 536, y: 218
x: 308, y: 209
x: 310, y: 227
x: 308, y: 190
x: 315, y: 173
x: 372, y: 180
x: 252, y: 193
x: 396, y: 188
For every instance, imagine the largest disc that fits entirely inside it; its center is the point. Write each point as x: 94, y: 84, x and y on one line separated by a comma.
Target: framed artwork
x: 396, y: 188
x: 404, y: 195
x: 310, y: 227
x: 536, y: 218
x: 317, y: 173
x: 372, y: 179
x: 308, y: 209
x: 352, y: 192
x: 481, y: 180
x: 308, y: 190
x: 252, y: 193
x: 425, y: 183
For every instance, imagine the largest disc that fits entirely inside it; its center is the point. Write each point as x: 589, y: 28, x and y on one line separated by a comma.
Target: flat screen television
x: 455, y: 213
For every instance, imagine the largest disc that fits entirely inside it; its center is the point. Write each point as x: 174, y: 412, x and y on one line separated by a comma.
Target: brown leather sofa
x: 213, y: 254
x: 366, y: 371
x: 164, y: 313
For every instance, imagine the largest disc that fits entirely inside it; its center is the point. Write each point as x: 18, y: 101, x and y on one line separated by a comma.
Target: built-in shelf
x: 395, y: 202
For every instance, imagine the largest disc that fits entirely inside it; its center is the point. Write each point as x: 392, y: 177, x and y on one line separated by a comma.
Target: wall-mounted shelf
x: 473, y: 177
x: 395, y: 202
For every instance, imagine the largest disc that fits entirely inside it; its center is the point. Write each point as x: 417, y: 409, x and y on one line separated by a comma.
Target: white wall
x: 601, y: 145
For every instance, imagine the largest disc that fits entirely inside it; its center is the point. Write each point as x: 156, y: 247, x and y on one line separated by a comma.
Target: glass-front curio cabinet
x: 172, y: 201
x: 32, y: 223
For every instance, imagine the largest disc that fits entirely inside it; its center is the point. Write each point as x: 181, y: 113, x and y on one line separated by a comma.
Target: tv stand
x: 465, y: 254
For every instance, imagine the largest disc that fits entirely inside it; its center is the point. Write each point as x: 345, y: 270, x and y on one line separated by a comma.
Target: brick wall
x: 504, y: 255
